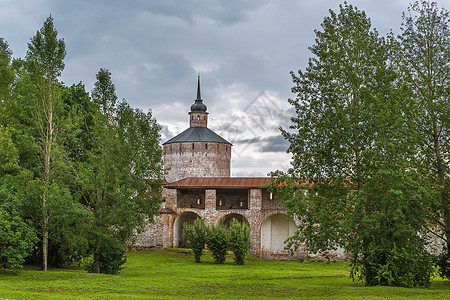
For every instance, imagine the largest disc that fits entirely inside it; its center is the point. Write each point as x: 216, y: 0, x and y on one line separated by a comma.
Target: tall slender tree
x: 45, y: 62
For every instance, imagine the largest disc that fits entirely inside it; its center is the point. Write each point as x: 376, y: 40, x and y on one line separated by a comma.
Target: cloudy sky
x: 242, y: 49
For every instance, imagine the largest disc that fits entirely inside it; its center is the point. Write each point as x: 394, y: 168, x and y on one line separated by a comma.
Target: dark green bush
x: 239, y: 240
x: 196, y: 237
x: 408, y: 266
x: 111, y: 260
x: 443, y: 265
x: 217, y: 240
x: 112, y: 257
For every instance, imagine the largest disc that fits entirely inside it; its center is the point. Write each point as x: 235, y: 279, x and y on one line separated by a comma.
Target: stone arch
x: 228, y: 218
x: 274, y: 231
x: 179, y: 237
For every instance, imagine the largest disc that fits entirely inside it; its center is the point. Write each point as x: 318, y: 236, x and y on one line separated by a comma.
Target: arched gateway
x: 185, y: 218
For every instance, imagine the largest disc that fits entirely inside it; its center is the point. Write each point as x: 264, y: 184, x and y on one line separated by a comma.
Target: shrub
x: 196, y: 237
x: 217, y: 240
x: 443, y: 265
x: 111, y: 260
x: 239, y: 240
x: 408, y: 266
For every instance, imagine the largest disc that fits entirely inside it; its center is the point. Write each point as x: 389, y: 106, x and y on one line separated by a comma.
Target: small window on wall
x: 206, y: 146
x: 198, y: 117
x: 192, y: 145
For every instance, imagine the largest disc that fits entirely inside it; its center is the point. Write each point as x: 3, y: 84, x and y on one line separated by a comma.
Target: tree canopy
x: 84, y: 171
x: 354, y: 182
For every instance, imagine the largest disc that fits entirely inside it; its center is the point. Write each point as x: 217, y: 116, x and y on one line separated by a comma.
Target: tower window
x: 206, y: 146
x: 192, y: 145
x: 198, y: 117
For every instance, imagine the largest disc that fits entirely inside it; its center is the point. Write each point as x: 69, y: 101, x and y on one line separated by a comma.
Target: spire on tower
x: 198, y: 105
x: 199, y: 97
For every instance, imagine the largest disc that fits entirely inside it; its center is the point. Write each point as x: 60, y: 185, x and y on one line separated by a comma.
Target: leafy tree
x: 349, y: 184
x: 45, y: 62
x: 120, y: 180
x: 422, y: 56
x: 16, y: 237
x: 217, y: 240
x: 239, y: 240
x: 196, y: 235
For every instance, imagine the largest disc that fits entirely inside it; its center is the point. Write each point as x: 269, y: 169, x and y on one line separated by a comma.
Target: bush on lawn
x: 217, y: 240
x: 239, y: 240
x: 196, y: 237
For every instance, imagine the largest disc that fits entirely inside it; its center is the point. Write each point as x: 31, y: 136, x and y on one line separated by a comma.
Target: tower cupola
x: 198, y: 117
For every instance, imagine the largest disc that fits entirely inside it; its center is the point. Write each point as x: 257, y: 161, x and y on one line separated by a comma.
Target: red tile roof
x: 219, y: 182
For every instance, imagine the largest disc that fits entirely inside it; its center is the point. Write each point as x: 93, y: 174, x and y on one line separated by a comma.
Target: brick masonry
x: 197, y: 159
x: 166, y: 229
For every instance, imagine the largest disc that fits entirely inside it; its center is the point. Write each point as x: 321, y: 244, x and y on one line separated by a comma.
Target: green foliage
x: 217, y: 240
x: 443, y: 264
x: 392, y: 266
x: 17, y: 238
x: 104, y: 92
x: 112, y: 258
x: 6, y: 79
x: 421, y: 54
x: 120, y: 178
x: 351, y: 184
x: 86, y: 173
x: 46, y: 52
x: 239, y: 240
x: 196, y: 235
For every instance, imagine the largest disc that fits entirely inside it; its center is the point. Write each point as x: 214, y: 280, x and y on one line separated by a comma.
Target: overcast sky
x: 242, y: 49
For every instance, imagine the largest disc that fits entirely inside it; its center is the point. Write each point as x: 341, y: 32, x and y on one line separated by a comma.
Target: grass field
x: 172, y: 274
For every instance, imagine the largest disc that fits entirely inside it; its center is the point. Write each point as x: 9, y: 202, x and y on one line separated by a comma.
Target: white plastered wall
x: 274, y: 231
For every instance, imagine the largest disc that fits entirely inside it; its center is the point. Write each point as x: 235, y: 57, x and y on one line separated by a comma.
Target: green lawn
x: 172, y: 274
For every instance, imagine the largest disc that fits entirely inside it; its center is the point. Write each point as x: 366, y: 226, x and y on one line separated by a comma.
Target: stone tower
x: 197, y: 151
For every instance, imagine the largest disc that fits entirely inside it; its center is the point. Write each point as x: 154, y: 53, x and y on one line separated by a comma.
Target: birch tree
x: 45, y: 62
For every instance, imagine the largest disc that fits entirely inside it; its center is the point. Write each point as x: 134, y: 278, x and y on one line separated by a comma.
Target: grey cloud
x: 165, y: 133
x: 154, y: 50
x: 223, y: 11
x: 274, y: 144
